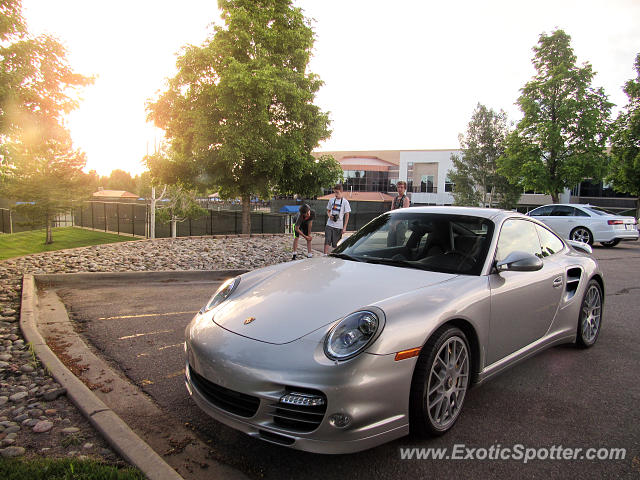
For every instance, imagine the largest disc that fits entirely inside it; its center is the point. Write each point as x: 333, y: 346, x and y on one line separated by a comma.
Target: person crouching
x: 303, y: 229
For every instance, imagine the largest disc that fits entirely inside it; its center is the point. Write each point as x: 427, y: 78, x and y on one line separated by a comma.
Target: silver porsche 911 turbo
x: 342, y: 353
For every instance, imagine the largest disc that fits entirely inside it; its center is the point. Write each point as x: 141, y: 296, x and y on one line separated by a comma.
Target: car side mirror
x: 519, y: 262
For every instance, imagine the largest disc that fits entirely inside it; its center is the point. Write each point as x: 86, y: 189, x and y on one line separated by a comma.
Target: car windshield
x: 426, y: 241
x: 597, y: 211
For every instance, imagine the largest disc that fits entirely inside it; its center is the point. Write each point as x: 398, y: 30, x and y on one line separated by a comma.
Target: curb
x: 124, y: 441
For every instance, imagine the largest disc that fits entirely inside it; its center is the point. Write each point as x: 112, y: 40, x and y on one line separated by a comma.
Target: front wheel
x: 581, y: 234
x: 440, y: 382
x: 610, y: 244
x: 590, y: 319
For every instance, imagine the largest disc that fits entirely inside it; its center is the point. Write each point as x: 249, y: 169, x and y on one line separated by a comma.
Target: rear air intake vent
x: 573, y: 280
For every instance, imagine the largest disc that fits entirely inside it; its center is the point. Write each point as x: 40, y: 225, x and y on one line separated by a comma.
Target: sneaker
x: 309, y: 255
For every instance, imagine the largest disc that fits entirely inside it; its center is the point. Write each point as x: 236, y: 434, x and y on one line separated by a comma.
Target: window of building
x: 448, y: 184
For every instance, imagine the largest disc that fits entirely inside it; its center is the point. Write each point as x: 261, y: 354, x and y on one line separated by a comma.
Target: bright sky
x: 398, y: 75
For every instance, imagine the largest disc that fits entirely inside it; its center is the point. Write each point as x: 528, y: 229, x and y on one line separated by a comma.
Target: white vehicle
x: 587, y: 224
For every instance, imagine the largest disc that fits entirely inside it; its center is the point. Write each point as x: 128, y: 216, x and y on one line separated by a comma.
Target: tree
x: 475, y: 176
x: 239, y: 113
x: 47, y: 179
x: 624, y: 168
x: 181, y: 206
x: 561, y: 137
x: 309, y: 177
x: 38, y: 164
x: 120, y: 180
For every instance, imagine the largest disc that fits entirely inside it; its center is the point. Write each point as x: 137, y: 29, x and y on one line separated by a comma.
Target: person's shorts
x: 304, y: 228
x: 332, y: 236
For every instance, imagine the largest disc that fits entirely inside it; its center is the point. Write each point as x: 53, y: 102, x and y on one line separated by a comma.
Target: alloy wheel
x: 448, y: 381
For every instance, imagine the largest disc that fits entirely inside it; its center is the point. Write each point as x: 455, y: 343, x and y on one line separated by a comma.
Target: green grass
x: 64, y: 469
x: 24, y: 243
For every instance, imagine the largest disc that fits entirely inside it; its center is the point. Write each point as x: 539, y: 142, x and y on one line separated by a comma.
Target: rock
x: 12, y: 429
x: 26, y: 368
x: 30, y: 422
x: 21, y: 417
x: 3, y: 400
x: 69, y: 430
x: 43, y: 426
x: 53, y: 394
x: 87, y: 446
x: 16, y: 397
x: 11, y: 452
x: 5, y: 357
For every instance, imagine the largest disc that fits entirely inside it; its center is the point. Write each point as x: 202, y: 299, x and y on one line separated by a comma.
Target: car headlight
x: 351, y: 335
x: 221, y: 294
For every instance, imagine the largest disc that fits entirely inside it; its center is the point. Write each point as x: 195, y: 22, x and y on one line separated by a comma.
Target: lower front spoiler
x: 287, y: 439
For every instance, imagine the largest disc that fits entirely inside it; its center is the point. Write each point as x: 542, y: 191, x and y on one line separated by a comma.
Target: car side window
x: 563, y: 211
x: 541, y: 211
x: 581, y: 213
x: 518, y: 236
x: 549, y: 241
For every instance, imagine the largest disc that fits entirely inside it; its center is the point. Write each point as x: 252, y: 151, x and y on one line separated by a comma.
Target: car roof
x: 488, y: 213
x: 566, y: 205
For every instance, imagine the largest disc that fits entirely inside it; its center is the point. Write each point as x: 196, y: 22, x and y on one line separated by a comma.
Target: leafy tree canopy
x: 47, y: 179
x: 561, y: 137
x: 624, y: 173
x: 37, y: 85
x: 240, y: 110
x: 475, y: 176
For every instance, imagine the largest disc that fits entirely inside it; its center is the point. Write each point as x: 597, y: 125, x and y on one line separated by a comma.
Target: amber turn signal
x: 404, y: 354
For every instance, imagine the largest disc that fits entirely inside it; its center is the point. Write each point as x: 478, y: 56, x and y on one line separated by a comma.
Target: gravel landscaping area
x: 35, y: 416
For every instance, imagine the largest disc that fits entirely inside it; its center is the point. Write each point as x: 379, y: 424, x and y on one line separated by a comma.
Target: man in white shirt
x: 338, y: 212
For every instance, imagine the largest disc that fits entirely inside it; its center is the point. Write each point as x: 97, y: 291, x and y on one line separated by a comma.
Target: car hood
x: 281, y: 304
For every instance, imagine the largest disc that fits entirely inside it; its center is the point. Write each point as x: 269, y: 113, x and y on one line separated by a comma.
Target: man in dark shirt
x: 303, y: 228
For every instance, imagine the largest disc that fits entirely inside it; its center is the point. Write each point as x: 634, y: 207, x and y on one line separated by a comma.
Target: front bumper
x: 373, y: 390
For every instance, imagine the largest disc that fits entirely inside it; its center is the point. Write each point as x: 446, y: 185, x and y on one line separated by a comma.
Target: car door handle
x: 557, y: 282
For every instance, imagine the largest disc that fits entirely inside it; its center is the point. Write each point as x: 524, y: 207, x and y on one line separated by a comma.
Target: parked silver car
x: 587, y: 224
x: 342, y: 353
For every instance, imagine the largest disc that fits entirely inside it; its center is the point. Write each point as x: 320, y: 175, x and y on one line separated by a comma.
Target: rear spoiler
x: 580, y: 246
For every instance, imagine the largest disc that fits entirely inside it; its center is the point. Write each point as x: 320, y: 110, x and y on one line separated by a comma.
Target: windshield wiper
x: 344, y: 256
x: 398, y: 263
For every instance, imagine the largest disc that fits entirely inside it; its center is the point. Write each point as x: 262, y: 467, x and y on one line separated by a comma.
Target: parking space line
x: 143, y: 334
x: 171, y: 346
x: 120, y: 317
x: 175, y: 374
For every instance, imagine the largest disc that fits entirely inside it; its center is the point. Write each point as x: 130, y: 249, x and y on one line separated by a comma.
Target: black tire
x: 452, y: 387
x: 582, y: 234
x: 610, y: 244
x: 590, y: 317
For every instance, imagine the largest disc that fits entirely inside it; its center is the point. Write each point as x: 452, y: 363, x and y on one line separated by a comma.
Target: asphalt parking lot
x: 562, y: 397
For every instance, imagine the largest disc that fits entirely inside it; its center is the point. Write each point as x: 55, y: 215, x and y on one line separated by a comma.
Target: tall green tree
x: 240, y: 110
x: 624, y: 168
x: 475, y: 175
x: 562, y: 135
x: 47, y: 179
x: 38, y: 164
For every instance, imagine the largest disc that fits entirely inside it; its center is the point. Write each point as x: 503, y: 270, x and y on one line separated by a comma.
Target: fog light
x: 302, y: 399
x: 339, y: 420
